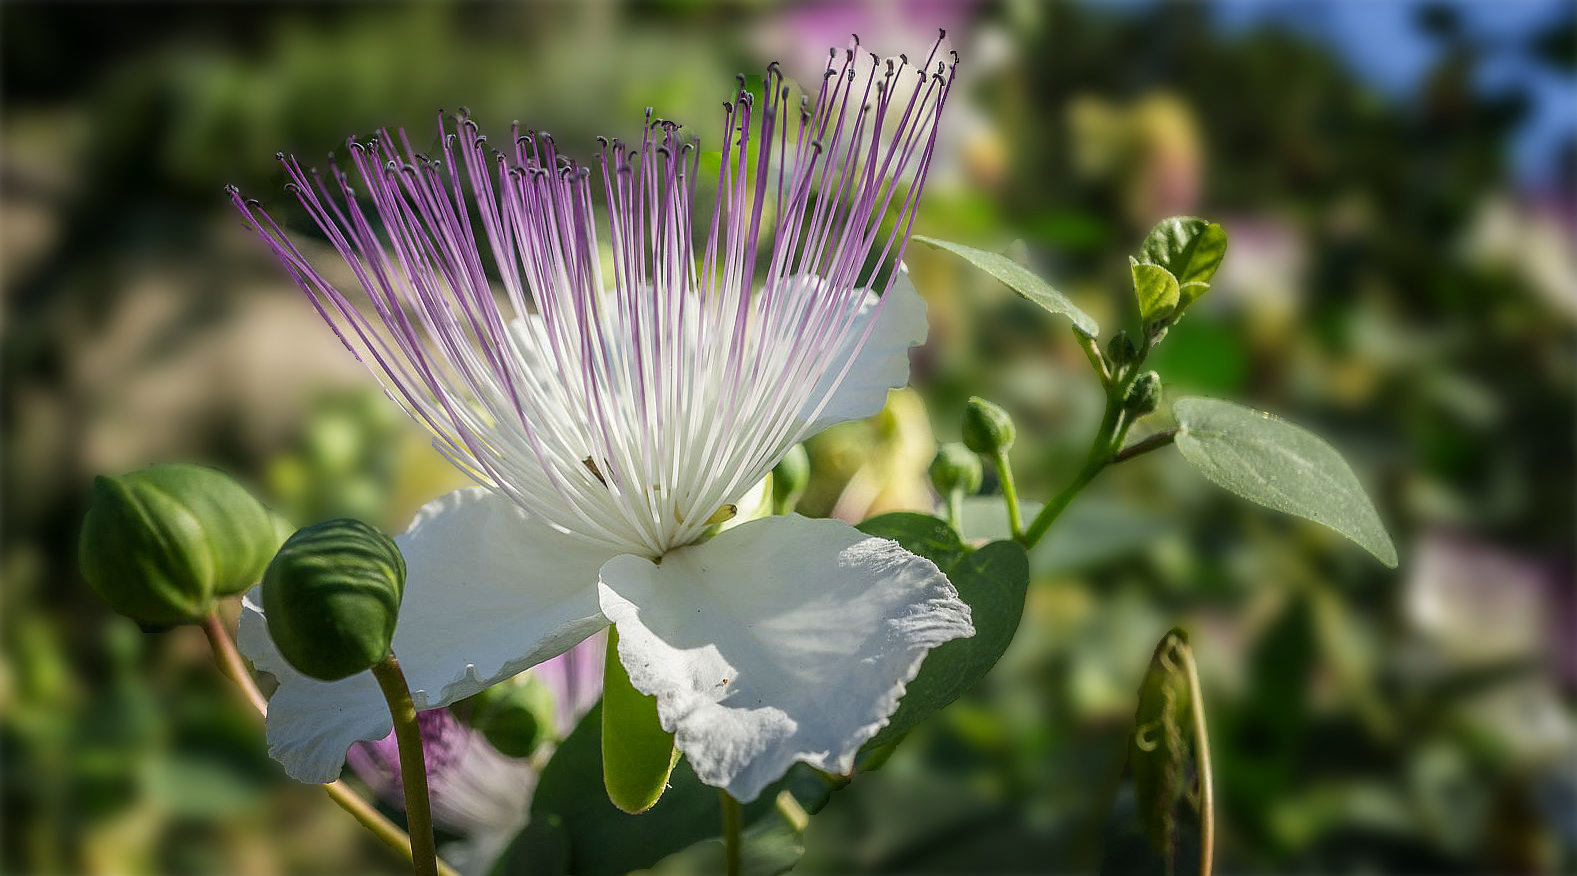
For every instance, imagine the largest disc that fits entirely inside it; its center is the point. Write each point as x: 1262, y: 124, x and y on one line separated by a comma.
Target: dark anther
x: 230, y: 189
x: 904, y: 59
x: 603, y: 140
x: 253, y: 202
x: 954, y: 53
x: 941, y: 33
x: 856, y: 38
x: 279, y: 156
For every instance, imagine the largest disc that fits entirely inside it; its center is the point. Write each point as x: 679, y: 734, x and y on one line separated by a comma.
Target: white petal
x: 488, y: 593
x: 787, y: 639
x: 882, y: 364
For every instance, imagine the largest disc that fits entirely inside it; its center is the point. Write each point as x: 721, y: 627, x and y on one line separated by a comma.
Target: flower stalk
x: 230, y: 664
x: 733, y: 823
x: 1118, y: 378
x: 413, y: 764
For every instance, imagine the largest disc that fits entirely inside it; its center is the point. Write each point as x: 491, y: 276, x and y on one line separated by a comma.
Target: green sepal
x: 160, y: 544
x: 331, y: 598
x: 638, y: 755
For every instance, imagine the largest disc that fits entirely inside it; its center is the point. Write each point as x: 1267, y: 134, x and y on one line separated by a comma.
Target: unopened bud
x: 1120, y: 350
x: 956, y: 467
x: 332, y: 597
x: 1144, y: 396
x: 515, y: 716
x: 162, y: 543
x: 987, y: 427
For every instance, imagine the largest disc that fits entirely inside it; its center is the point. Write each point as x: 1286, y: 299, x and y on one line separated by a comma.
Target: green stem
x: 413, y: 764
x: 733, y: 823
x: 955, y: 510
x: 231, y: 665
x: 1145, y: 445
x: 1009, y: 492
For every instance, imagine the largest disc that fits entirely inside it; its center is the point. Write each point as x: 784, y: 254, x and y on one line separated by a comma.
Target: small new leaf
x: 1021, y: 280
x: 1272, y: 462
x: 1157, y: 292
x: 1190, y: 248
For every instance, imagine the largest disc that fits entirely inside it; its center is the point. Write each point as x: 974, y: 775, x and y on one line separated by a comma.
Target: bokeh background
x: 1397, y: 179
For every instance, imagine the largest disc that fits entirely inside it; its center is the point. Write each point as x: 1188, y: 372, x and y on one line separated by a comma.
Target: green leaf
x: 596, y: 839
x: 1276, y: 464
x: 992, y: 581
x: 1188, y: 247
x: 1157, y: 291
x: 918, y: 534
x: 1021, y: 280
x: 637, y: 753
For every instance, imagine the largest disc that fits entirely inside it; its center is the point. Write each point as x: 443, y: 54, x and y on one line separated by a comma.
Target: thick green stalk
x: 413, y: 764
x: 344, y: 797
x: 733, y: 825
x: 1009, y: 493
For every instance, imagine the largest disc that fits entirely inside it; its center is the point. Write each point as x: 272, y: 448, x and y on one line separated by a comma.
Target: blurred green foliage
x: 1388, y: 285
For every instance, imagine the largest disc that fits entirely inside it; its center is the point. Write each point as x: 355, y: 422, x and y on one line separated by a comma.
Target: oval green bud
x: 162, y: 543
x: 789, y: 478
x: 515, y: 716
x: 1144, y: 395
x: 1120, y: 350
x: 987, y: 427
x: 955, y: 467
x: 332, y: 597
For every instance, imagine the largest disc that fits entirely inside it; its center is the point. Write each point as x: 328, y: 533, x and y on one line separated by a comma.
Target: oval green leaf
x: 1021, y: 280
x: 638, y: 755
x: 992, y: 581
x: 919, y: 534
x: 1272, y: 462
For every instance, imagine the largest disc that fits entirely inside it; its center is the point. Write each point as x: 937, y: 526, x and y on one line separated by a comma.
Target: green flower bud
x: 162, y: 543
x: 332, y: 597
x: 987, y: 428
x: 1120, y: 350
x: 789, y: 479
x: 515, y: 717
x: 956, y: 468
x: 1144, y: 395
